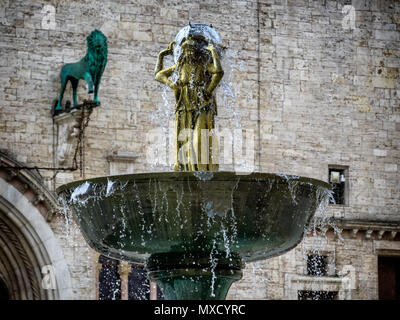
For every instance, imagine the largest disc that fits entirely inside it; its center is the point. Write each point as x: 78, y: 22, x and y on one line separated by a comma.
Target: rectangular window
x: 316, y: 265
x: 139, y: 285
x: 109, y: 279
x: 317, y: 295
x: 338, y: 179
x: 389, y: 278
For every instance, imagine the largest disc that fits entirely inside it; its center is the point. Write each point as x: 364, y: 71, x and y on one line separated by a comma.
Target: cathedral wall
x: 315, y: 86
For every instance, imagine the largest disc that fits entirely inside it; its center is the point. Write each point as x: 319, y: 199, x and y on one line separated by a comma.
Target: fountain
x: 196, y: 227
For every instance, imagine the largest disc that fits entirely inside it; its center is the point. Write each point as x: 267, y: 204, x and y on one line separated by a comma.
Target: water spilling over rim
x: 136, y: 215
x: 195, y: 175
x: 192, y: 229
x: 197, y: 30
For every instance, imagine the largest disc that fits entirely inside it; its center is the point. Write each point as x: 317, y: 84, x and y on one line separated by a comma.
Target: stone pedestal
x: 68, y: 126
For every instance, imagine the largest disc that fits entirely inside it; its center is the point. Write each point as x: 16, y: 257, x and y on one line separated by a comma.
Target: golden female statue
x: 198, y: 72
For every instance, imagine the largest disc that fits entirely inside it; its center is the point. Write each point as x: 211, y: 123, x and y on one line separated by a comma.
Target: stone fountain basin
x: 181, y: 214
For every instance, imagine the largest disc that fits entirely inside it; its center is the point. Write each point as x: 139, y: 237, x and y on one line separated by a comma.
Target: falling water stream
x: 219, y: 210
x: 220, y: 221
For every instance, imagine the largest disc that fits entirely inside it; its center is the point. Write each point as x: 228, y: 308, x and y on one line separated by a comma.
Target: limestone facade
x: 317, y: 82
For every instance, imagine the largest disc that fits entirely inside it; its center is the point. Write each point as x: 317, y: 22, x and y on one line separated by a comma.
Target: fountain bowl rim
x: 170, y: 175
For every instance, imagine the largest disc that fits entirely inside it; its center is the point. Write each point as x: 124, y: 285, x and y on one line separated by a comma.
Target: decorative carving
x: 338, y: 232
x: 37, y: 199
x: 25, y: 187
x: 11, y: 175
x: 28, y: 180
x: 90, y: 68
x: 68, y: 128
x: 368, y: 234
x: 198, y: 69
x: 369, y: 230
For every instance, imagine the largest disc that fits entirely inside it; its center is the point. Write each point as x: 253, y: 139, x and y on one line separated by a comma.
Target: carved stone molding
x: 19, y: 249
x: 30, y: 184
x: 30, y: 246
x: 121, y: 162
x: 67, y: 130
x: 387, y: 248
x: 364, y: 229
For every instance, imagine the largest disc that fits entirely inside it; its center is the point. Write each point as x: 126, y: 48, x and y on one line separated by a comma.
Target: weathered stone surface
x: 329, y: 94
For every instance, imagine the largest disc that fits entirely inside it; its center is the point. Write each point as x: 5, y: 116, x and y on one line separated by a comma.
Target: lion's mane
x: 96, y: 59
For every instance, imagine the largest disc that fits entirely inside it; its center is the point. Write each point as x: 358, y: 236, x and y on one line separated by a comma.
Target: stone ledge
x: 365, y: 229
x: 121, y: 156
x: 342, y: 285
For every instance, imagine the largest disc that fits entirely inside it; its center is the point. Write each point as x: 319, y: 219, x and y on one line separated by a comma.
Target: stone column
x: 153, y: 290
x: 124, y: 271
x: 97, y: 272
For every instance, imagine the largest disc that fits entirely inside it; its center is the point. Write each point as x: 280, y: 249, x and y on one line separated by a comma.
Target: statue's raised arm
x: 215, y: 69
x: 162, y: 75
x: 198, y: 72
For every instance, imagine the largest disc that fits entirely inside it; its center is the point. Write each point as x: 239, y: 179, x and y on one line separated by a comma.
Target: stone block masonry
x: 329, y: 94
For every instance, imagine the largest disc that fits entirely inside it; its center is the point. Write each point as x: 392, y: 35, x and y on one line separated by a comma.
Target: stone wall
x: 282, y: 277
x: 324, y: 92
x: 331, y: 97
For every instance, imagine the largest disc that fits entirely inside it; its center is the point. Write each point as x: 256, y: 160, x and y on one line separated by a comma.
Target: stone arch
x: 18, y: 266
x: 27, y: 243
x: 4, y: 295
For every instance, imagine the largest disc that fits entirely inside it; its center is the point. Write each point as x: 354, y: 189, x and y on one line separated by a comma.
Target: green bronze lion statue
x: 90, y: 68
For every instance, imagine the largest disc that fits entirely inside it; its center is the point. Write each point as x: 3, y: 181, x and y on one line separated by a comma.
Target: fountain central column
x: 192, y: 277
x: 198, y: 72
